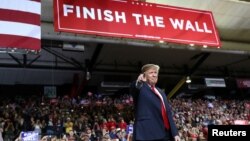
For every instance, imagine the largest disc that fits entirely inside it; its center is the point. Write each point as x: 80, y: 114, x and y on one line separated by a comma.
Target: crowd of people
x: 95, y: 118
x: 193, y: 116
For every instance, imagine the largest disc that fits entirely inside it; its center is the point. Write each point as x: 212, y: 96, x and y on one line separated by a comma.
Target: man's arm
x: 136, y: 86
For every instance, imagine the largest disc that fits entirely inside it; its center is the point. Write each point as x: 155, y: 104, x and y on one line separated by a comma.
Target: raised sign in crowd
x: 96, y: 118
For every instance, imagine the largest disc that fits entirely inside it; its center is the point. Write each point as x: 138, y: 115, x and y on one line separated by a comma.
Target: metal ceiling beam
x: 84, y: 39
x: 16, y: 59
x: 190, y: 72
x: 242, y: 47
x: 213, y: 73
x: 32, y: 61
x: 95, y: 55
x: 236, y: 62
x: 177, y: 73
x: 77, y: 62
x: 57, y: 54
x: 198, y: 63
x: 41, y: 67
x: 24, y: 60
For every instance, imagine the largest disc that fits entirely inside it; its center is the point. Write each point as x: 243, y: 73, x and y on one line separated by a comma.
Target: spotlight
x: 161, y: 41
x: 88, y: 75
x: 204, y: 46
x: 188, y: 80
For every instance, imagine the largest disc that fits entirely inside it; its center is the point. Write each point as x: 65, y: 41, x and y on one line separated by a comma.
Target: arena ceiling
x: 109, y: 57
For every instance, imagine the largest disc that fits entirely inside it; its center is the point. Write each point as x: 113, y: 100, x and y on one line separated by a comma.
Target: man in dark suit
x: 153, y: 115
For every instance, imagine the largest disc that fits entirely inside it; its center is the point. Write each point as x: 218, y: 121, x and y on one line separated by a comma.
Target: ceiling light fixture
x: 188, y: 80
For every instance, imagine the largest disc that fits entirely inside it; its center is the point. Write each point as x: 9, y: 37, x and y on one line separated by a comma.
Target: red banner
x: 136, y: 20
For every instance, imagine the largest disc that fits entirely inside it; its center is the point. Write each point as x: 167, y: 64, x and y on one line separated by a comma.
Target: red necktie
x: 163, y: 109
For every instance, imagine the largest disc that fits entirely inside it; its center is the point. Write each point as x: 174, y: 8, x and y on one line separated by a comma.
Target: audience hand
x: 177, y: 138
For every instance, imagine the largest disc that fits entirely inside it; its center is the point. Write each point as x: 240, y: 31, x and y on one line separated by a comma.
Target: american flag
x: 20, y: 24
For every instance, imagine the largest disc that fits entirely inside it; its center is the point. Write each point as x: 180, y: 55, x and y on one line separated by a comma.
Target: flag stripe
x: 20, y: 29
x: 20, y: 24
x: 18, y: 16
x: 23, y: 5
x: 36, y: 0
x: 19, y: 42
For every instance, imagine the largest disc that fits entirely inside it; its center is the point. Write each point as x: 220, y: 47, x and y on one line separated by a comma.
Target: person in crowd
x: 112, y: 133
x: 153, y: 115
x: 91, y: 134
x: 68, y: 125
x: 9, y: 130
x: 1, y: 131
x: 104, y: 124
x: 84, y: 137
x: 37, y: 127
x: 19, y: 138
x: 111, y: 123
x: 58, y: 128
x: 122, y: 124
x: 106, y: 137
x: 130, y: 127
x: 50, y: 127
x: 121, y: 134
x: 72, y: 136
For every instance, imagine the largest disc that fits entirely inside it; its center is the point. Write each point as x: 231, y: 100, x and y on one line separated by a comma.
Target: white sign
x: 30, y: 136
x: 50, y: 91
x: 215, y: 82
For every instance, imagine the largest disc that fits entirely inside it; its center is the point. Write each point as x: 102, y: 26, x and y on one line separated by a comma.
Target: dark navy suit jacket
x: 148, y: 119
